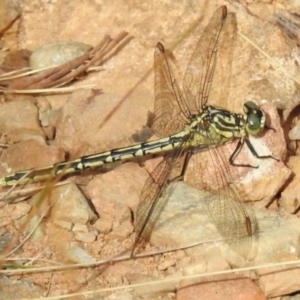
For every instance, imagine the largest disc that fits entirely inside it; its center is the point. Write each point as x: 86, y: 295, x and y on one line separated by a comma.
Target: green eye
x: 255, y: 118
x: 250, y: 106
x: 253, y: 124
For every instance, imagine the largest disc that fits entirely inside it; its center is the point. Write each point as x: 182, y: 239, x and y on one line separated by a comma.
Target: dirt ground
x: 71, y: 237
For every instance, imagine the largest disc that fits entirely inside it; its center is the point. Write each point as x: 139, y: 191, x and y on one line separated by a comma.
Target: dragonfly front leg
x: 253, y: 151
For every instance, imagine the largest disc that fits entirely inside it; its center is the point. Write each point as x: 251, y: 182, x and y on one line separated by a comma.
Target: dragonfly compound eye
x: 254, y: 123
x: 250, y: 106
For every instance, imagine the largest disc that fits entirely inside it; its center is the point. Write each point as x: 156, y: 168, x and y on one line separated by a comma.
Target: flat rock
x: 216, y: 289
x: 113, y: 192
x: 83, y: 128
x: 19, y: 120
x: 70, y: 205
x: 185, y: 208
x: 31, y: 157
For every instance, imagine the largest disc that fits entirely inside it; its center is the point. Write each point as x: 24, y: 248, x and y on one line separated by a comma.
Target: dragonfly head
x: 256, y: 118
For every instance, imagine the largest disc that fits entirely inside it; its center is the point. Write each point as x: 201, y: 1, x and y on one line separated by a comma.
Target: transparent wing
x: 152, y: 200
x: 234, y: 219
x: 170, y: 111
x: 214, y: 48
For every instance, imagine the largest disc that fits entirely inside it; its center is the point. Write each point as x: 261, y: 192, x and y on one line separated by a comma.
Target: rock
x: 68, y: 198
x: 63, y: 224
x: 5, y: 241
x: 148, y: 287
x: 57, y: 53
x: 279, y: 281
x: 13, y: 212
x: 9, y: 11
x: 121, y: 187
x: 14, y: 289
x: 121, y: 232
x: 80, y: 228
x: 83, y: 128
x: 78, y: 255
x: 34, y: 155
x: 166, y: 264
x: 85, y: 237
x: 103, y: 225
x: 170, y: 229
x: 19, y: 120
x: 124, y: 295
x: 290, y: 197
x: 223, y: 288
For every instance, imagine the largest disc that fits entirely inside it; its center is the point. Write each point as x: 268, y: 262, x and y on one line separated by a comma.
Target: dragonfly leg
x: 187, y: 157
x: 253, y: 151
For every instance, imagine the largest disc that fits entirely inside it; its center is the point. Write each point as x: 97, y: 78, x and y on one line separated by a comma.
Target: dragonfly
x: 185, y: 126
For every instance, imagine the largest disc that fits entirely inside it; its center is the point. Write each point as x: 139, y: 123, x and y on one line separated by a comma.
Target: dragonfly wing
x: 235, y: 220
x: 214, y: 50
x: 152, y: 200
x: 170, y: 113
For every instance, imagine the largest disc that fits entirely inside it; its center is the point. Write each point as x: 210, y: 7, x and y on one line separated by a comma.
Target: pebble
x: 80, y: 228
x: 166, y: 264
x: 31, y: 157
x: 280, y: 281
x: 63, y: 224
x: 78, y: 255
x: 13, y: 212
x: 54, y: 54
x: 103, y: 225
x: 5, y: 241
x: 86, y: 237
x: 19, y: 120
x: 218, y: 287
x: 294, y: 133
x: 121, y: 232
x: 70, y: 205
x: 21, y: 288
x: 158, y: 287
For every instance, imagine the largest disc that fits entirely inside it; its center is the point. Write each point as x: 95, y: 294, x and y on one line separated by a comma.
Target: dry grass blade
x: 66, y: 72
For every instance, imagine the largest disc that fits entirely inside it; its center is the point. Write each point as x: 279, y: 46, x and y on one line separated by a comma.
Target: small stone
x: 103, y: 225
x: 78, y: 255
x: 13, y: 212
x: 159, y: 287
x: 80, y: 228
x: 88, y: 237
x: 184, y: 261
x: 70, y: 205
x: 221, y: 288
x: 5, y: 240
x: 166, y: 264
x: 19, y: 120
x: 195, y: 268
x: 14, y: 289
x: 294, y: 133
x: 54, y: 54
x: 180, y: 254
x: 123, y: 215
x: 63, y: 224
x: 290, y: 196
x: 31, y: 157
x: 121, y: 232
x: 279, y: 281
